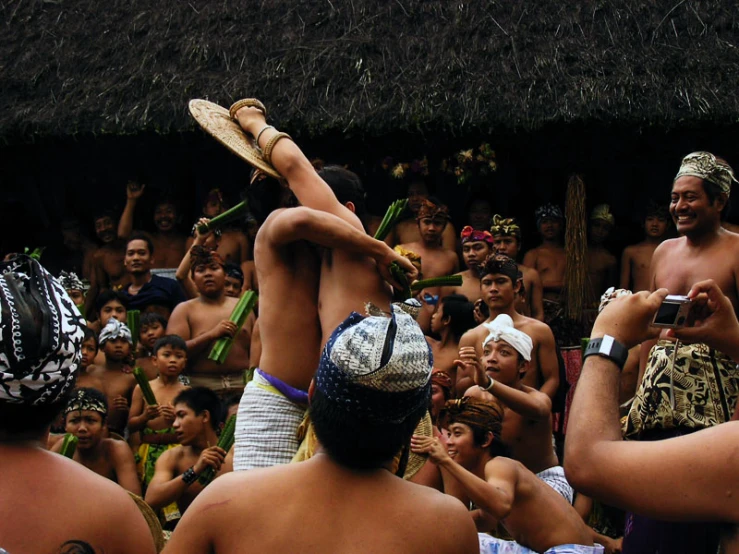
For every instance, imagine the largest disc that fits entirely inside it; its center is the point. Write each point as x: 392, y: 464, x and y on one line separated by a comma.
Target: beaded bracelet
x: 274, y: 139
x: 246, y: 102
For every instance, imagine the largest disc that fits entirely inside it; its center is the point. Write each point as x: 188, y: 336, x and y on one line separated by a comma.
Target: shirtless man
x: 288, y: 268
x: 527, y: 425
x: 108, y: 271
x: 84, y: 417
x: 499, y: 285
x: 354, y: 462
x: 665, y: 402
x: 549, y: 259
x: 198, y: 414
x: 451, y: 319
x: 407, y: 231
x: 476, y: 247
x: 507, y: 240
x: 88, y: 374
x: 109, y: 304
x: 473, y: 460
x: 637, y: 258
x: 169, y: 243
x: 436, y: 261
x: 205, y: 319
x: 602, y: 265
x: 31, y: 396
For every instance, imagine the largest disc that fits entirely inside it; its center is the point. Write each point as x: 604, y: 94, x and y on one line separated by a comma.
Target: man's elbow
x: 579, y: 468
x: 154, y: 499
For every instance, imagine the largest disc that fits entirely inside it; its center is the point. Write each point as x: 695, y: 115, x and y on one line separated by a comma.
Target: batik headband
x: 469, y: 234
x: 499, y: 264
x: 473, y: 412
x: 602, y: 212
x: 41, y: 333
x: 548, y: 210
x: 114, y: 329
x: 432, y: 211
x: 70, y: 281
x: 441, y: 379
x: 501, y: 328
x: 706, y: 166
x: 505, y: 227
x: 83, y: 401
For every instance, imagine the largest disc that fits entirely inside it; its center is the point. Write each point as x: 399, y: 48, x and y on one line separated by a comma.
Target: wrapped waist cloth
x: 491, y: 545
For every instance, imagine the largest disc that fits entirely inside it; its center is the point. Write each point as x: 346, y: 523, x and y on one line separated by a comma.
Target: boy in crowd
x: 476, y: 247
x: 76, y: 289
x: 197, y: 417
x: 169, y: 356
x: 110, y: 303
x: 473, y: 460
x: 89, y: 374
x: 152, y: 327
x: 436, y: 260
x: 85, y: 417
x: 451, y: 319
x: 32, y: 392
x: 527, y: 425
x: 636, y: 258
x: 116, y: 373
x: 234, y: 280
x: 602, y: 265
x: 507, y: 240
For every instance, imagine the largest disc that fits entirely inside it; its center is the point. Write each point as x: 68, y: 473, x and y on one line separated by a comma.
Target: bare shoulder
x: 472, y: 335
x: 536, y: 329
x: 668, y: 246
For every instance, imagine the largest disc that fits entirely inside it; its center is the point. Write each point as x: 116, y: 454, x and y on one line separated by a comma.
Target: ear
x: 721, y: 200
x: 488, y: 439
x: 351, y: 207
x: 517, y: 285
x: 206, y: 416
x: 523, y: 368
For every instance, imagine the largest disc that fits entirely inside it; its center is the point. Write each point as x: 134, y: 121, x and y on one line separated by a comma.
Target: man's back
x: 319, y: 506
x: 79, y: 505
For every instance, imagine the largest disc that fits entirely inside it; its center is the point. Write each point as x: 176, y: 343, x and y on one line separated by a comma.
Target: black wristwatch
x: 189, y: 477
x: 608, y: 347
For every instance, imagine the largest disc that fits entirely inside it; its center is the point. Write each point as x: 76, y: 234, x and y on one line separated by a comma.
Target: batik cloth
x: 491, y: 545
x: 689, y: 386
x: 266, y: 426
x: 147, y: 455
x: 555, y: 478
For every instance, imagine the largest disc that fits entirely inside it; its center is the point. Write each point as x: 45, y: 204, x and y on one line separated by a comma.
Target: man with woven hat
x: 477, y: 245
x: 41, y: 336
x: 686, y: 388
x: 369, y: 393
x: 536, y: 516
x: 436, y: 261
x: 507, y: 240
x: 549, y: 258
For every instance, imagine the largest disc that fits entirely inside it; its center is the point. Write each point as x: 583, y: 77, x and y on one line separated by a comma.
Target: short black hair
x: 461, y: 313
x: 199, y: 399
x: 90, y: 334
x: 501, y: 264
x: 347, y: 187
x: 175, y: 341
x: 141, y: 236
x: 30, y: 419
x: 356, y: 443
x: 108, y: 295
x: 234, y: 271
x: 148, y: 318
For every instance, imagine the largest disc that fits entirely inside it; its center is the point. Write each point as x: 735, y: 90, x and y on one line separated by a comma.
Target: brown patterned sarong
x: 697, y: 391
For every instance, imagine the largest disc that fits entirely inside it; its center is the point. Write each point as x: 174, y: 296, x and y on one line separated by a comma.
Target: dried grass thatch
x: 366, y: 67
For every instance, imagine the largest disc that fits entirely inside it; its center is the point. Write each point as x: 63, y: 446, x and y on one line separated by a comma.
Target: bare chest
x: 681, y: 269
x: 470, y: 287
x: 118, y: 383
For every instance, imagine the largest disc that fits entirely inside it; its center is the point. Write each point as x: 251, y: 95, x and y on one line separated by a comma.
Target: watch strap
x: 607, y: 347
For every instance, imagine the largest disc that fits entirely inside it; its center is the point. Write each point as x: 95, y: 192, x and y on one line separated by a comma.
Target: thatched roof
x: 366, y: 67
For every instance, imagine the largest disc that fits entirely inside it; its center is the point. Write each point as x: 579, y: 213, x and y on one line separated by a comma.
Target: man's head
x: 441, y: 391
x: 506, y: 351
x: 207, y: 271
x: 105, y: 227
x: 111, y: 304
x: 418, y: 191
x: 700, y: 193
x: 475, y: 428
x: 506, y: 236
x: 41, y: 332
x: 139, y: 254
x: 196, y: 410
x: 76, y: 289
x: 347, y: 187
x: 601, y: 223
x: 656, y: 220
x: 89, y: 348
x: 115, y: 340
x: 165, y: 216
x: 479, y: 212
x: 234, y: 279
x: 476, y: 246
x: 213, y: 204
x: 499, y: 282
x: 432, y: 218
x: 85, y: 416
x: 170, y: 355
x: 455, y: 312
x: 152, y: 327
x: 371, y: 389
x: 549, y: 220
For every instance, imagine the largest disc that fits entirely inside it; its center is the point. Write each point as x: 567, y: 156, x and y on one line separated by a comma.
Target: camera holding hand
x: 673, y: 312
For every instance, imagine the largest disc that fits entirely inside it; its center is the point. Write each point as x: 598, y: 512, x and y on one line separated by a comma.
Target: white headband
x: 501, y: 328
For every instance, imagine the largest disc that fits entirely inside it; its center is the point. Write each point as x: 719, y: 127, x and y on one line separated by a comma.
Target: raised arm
x: 134, y: 191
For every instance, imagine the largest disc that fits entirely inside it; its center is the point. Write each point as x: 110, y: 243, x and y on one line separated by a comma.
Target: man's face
x: 479, y: 215
x: 212, y: 208
x: 210, y: 279
x: 417, y: 193
x: 501, y: 362
x: 138, y: 257
x: 460, y: 445
x: 437, y: 318
x: 150, y: 333
x: 431, y: 229
x: 170, y: 361
x: 690, y: 208
x: 655, y: 226
x: 506, y: 245
x: 437, y: 399
x: 117, y: 349
x: 105, y: 229
x: 550, y: 228
x: 187, y: 424
x: 87, y: 426
x: 89, y: 350
x: 599, y: 231
x: 498, y: 291
x: 474, y: 253
x: 113, y: 309
x: 165, y: 217
x: 233, y: 286
x: 77, y: 296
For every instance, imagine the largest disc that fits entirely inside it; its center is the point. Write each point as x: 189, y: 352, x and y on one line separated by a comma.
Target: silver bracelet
x: 490, y: 384
x: 259, y: 134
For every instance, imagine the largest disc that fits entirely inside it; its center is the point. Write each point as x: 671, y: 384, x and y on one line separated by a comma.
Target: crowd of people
x: 367, y: 418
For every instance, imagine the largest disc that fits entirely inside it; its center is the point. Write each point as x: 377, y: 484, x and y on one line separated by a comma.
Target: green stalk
x: 144, y: 385
x: 400, y: 276
x: 391, y: 216
x: 133, y: 320
x: 68, y: 446
x: 445, y: 281
x: 241, y: 311
x: 226, y: 217
x: 225, y: 441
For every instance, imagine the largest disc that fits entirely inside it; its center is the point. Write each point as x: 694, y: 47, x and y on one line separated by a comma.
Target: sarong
x: 146, y: 458
x: 555, y: 478
x: 223, y: 384
x: 695, y: 388
x: 572, y: 358
x: 491, y: 545
x: 267, y: 423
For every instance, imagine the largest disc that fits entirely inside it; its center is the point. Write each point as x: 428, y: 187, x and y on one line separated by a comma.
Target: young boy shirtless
x: 451, y: 319
x: 636, y: 258
x: 476, y: 247
x: 197, y: 416
x: 152, y: 327
x: 85, y: 417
